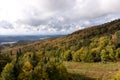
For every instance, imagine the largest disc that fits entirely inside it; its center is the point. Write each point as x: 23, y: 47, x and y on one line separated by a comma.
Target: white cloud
x: 54, y: 16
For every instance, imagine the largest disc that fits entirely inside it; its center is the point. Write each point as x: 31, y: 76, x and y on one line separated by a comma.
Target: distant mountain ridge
x: 25, y: 38
x: 12, y: 41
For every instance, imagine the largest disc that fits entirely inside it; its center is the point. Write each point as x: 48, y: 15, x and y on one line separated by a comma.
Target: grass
x: 95, y: 71
x: 76, y: 76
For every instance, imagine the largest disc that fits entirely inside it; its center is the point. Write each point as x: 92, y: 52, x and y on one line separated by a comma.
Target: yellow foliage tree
x: 26, y: 70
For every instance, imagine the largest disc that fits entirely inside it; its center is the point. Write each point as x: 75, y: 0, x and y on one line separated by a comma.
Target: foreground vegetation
x: 31, y: 66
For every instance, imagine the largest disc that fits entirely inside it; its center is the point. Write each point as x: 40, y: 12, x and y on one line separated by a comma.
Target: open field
x: 95, y: 71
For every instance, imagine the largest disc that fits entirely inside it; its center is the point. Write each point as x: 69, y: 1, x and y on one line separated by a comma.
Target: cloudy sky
x: 33, y: 17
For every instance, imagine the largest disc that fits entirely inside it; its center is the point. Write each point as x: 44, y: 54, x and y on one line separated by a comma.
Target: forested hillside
x: 42, y: 60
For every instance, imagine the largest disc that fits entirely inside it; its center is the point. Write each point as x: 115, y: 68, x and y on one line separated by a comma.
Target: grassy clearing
x: 97, y: 71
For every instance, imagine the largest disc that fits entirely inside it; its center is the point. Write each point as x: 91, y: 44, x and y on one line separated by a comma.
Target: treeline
x: 105, y: 48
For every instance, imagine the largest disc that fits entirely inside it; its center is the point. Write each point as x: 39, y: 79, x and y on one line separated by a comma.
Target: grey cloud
x: 31, y: 22
x: 6, y: 25
x: 65, y: 15
x: 76, y: 10
x: 61, y: 4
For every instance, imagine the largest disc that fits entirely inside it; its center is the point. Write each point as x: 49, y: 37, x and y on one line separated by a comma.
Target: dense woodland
x: 42, y: 60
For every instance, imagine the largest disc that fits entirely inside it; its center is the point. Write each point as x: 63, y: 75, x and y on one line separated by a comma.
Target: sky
x: 48, y: 17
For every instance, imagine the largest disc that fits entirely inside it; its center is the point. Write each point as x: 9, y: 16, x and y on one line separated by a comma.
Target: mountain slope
x: 94, y: 44
x: 85, y: 39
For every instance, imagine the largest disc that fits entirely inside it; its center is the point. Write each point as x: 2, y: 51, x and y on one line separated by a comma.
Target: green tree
x: 56, y: 71
x: 84, y: 54
x: 8, y: 72
x: 67, y: 55
x: 117, y: 38
x: 76, y: 56
x: 95, y: 54
x: 104, y: 55
x: 112, y: 54
x: 103, y: 41
x: 117, y: 53
x: 40, y: 73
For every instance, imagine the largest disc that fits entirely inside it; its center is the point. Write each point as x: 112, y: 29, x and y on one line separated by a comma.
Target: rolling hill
x: 43, y: 58
x: 77, y: 39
